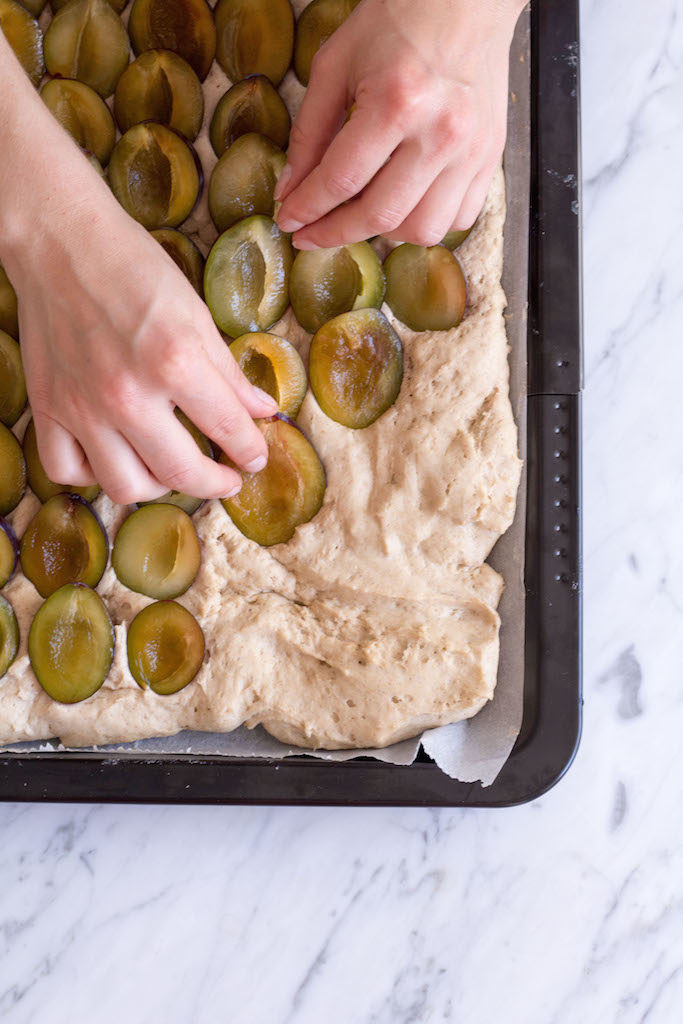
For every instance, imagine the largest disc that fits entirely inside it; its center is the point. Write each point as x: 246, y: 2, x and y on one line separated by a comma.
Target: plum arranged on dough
x: 184, y: 254
x: 156, y: 551
x: 252, y: 105
x: 274, y: 365
x: 9, y: 314
x: 355, y: 367
x: 83, y: 113
x: 71, y: 643
x: 165, y: 647
x: 64, y: 543
x: 244, y: 179
x: 86, y: 40
x: 184, y: 26
x: 9, y: 552
x: 24, y: 35
x: 9, y: 635
x: 12, y: 381
x: 160, y: 86
x: 426, y: 287
x: 155, y: 175
x: 12, y: 471
x: 327, y: 282
x: 316, y: 23
x: 254, y: 37
x: 284, y: 495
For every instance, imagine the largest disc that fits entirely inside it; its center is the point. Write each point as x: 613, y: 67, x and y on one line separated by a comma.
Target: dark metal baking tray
x: 552, y: 698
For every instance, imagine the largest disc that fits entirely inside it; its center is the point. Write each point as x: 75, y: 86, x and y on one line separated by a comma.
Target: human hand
x: 416, y: 157
x: 113, y: 337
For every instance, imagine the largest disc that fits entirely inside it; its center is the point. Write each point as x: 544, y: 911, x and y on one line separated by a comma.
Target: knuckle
x: 177, y: 360
x: 341, y: 185
x: 121, y: 397
x: 227, y: 425
x: 381, y: 221
x: 321, y: 65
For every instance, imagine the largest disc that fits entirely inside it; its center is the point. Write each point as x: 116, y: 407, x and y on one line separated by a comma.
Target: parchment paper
x: 476, y: 749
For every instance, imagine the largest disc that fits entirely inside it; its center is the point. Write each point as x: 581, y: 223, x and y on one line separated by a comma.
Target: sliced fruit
x: 356, y: 367
x: 246, y: 278
x: 287, y: 493
x: 118, y: 5
x: 186, y: 502
x: 274, y: 365
x: 86, y: 40
x: 23, y: 33
x: 38, y: 480
x: 327, y: 282
x: 155, y: 175
x: 9, y: 317
x: 156, y: 551
x: 254, y: 37
x: 165, y: 647
x: 244, y: 179
x: 83, y: 113
x: 184, y: 254
x: 252, y: 105
x: 71, y: 643
x: 184, y: 26
x: 12, y: 382
x: 9, y: 552
x: 160, y: 86
x: 12, y: 471
x: 9, y: 635
x: 426, y: 288
x: 452, y: 239
x: 316, y: 24
x: 64, y: 543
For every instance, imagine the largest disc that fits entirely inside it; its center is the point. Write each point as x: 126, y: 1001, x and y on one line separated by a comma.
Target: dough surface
x: 378, y: 619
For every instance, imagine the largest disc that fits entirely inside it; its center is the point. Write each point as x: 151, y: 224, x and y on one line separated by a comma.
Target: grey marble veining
x: 567, y: 910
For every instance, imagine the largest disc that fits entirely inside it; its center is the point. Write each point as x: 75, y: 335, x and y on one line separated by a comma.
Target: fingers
x: 62, y: 457
x: 317, y: 122
x: 394, y: 192
x: 351, y: 161
x: 118, y: 469
x: 430, y: 220
x: 211, y: 403
x: 473, y: 200
x: 258, y: 403
x: 173, y: 458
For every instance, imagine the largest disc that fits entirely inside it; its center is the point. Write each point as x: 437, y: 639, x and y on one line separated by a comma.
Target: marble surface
x: 569, y: 909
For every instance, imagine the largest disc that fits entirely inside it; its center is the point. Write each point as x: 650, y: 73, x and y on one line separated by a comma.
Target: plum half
x: 316, y: 24
x: 156, y: 551
x: 12, y: 381
x: 356, y: 367
x: 284, y: 495
x: 155, y: 175
x: 452, y: 239
x: 71, y: 643
x: 9, y: 313
x: 246, y: 278
x: 86, y: 40
x: 244, y: 179
x: 118, y: 5
x: 186, y: 502
x: 252, y: 105
x: 288, y: 493
x: 327, y: 282
x: 24, y: 35
x: 160, y: 86
x: 38, y: 480
x: 12, y: 471
x: 9, y: 552
x: 426, y: 287
x: 9, y: 635
x: 83, y: 113
x: 254, y: 37
x: 274, y: 365
x: 184, y: 26
x: 165, y: 647
x: 184, y: 254
x: 64, y: 543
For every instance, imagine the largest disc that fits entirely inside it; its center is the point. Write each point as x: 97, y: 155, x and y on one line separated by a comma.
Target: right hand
x: 113, y: 337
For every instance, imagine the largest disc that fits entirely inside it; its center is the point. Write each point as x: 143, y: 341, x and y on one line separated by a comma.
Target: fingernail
x: 289, y: 226
x: 233, y: 492
x: 256, y: 465
x: 282, y: 182
x: 304, y: 245
x: 264, y: 397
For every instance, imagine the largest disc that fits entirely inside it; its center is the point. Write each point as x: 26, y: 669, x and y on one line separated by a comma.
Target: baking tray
x: 551, y: 724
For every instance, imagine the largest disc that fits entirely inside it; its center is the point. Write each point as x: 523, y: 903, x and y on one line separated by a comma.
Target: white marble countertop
x: 566, y: 910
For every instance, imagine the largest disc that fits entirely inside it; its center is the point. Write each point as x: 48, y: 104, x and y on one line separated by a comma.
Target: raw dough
x: 378, y: 619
